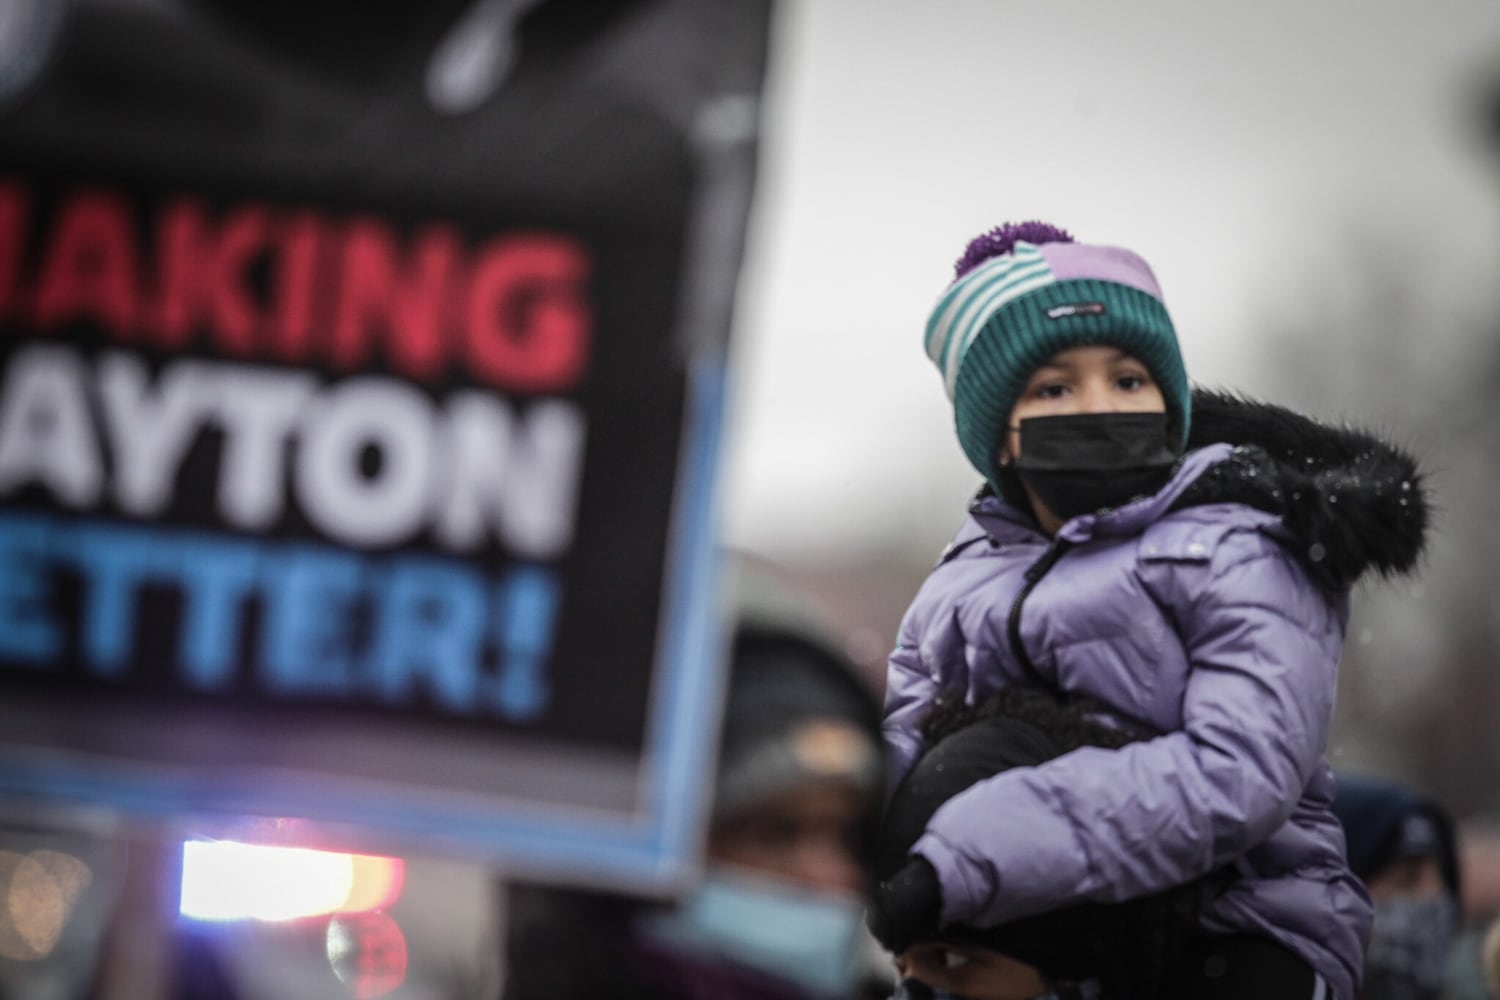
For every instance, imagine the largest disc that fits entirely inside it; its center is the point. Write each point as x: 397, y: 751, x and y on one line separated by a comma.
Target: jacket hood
x: 1352, y: 501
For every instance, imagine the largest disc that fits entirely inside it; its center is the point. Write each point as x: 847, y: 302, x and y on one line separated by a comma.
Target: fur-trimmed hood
x: 1354, y: 501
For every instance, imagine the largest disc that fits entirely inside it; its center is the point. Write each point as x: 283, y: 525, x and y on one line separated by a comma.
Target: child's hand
x: 906, y: 906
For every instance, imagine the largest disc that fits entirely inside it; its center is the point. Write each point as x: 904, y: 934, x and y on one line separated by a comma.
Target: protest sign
x: 358, y: 417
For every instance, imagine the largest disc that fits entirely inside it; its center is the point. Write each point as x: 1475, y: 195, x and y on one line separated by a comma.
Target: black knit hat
x: 1386, y: 822
x: 796, y: 713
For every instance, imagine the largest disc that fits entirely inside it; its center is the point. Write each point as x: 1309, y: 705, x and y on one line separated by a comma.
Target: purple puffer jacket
x: 1213, y: 613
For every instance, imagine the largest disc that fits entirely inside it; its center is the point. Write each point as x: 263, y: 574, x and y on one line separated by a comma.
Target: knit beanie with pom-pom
x: 1025, y: 292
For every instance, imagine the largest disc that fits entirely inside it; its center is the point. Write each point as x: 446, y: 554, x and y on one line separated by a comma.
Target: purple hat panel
x: 1080, y: 260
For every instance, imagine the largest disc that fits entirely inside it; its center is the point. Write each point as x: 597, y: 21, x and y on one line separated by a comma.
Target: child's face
x: 1083, y: 380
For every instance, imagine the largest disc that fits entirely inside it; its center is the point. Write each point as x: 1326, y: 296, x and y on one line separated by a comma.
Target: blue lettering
x: 430, y: 623
x: 527, y: 615
x: 334, y: 624
x: 114, y: 563
x: 309, y: 638
x: 28, y: 633
x: 217, y: 578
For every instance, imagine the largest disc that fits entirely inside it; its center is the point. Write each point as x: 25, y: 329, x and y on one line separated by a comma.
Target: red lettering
x: 407, y: 304
x: 299, y: 287
x: 201, y: 275
x: 528, y: 319
x: 13, y: 211
x: 89, y: 270
x: 294, y: 287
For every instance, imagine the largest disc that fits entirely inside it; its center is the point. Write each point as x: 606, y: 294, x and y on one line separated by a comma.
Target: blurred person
x: 1489, y: 957
x: 1402, y: 844
x: 778, y: 912
x: 1183, y: 557
x: 62, y: 875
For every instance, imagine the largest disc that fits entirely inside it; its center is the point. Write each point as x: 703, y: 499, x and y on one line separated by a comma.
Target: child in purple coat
x: 1182, y: 559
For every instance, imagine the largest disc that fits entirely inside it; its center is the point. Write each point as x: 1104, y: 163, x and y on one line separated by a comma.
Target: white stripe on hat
x: 981, y: 301
x: 980, y: 318
x: 962, y: 290
x: 941, y: 316
x: 968, y: 305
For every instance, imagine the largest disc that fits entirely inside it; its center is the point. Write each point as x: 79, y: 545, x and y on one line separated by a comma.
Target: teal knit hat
x: 1025, y: 292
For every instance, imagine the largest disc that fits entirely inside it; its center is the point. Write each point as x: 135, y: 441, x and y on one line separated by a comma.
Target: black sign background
x: 594, y: 139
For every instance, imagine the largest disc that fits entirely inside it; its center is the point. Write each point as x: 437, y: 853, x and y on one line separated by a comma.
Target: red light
x: 368, y: 953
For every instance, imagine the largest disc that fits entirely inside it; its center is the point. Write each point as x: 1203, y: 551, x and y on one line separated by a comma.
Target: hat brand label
x: 1076, y: 309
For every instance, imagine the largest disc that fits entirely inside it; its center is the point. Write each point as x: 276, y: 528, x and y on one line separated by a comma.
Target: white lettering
x: 46, y: 436
x: 518, y: 476
x: 346, y: 501
x: 369, y: 461
x: 150, y: 432
x: 258, y: 409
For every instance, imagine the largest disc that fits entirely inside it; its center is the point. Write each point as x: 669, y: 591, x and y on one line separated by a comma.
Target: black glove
x: 906, y: 907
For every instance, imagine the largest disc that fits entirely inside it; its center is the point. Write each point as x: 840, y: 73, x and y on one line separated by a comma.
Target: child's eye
x: 1131, y: 382
x: 1051, y: 390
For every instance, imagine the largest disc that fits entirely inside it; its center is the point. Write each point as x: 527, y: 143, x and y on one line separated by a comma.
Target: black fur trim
x: 1069, y: 722
x: 1354, y: 502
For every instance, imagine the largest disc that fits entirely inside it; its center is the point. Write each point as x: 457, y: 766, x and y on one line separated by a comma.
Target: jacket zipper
x: 1034, y: 574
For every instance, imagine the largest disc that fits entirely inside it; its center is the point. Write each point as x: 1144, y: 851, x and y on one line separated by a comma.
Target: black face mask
x: 1080, y: 463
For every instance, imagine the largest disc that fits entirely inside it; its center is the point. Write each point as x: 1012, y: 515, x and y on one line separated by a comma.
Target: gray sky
x: 1240, y: 148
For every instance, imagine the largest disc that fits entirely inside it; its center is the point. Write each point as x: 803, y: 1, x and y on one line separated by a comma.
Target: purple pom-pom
x: 1002, y: 240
